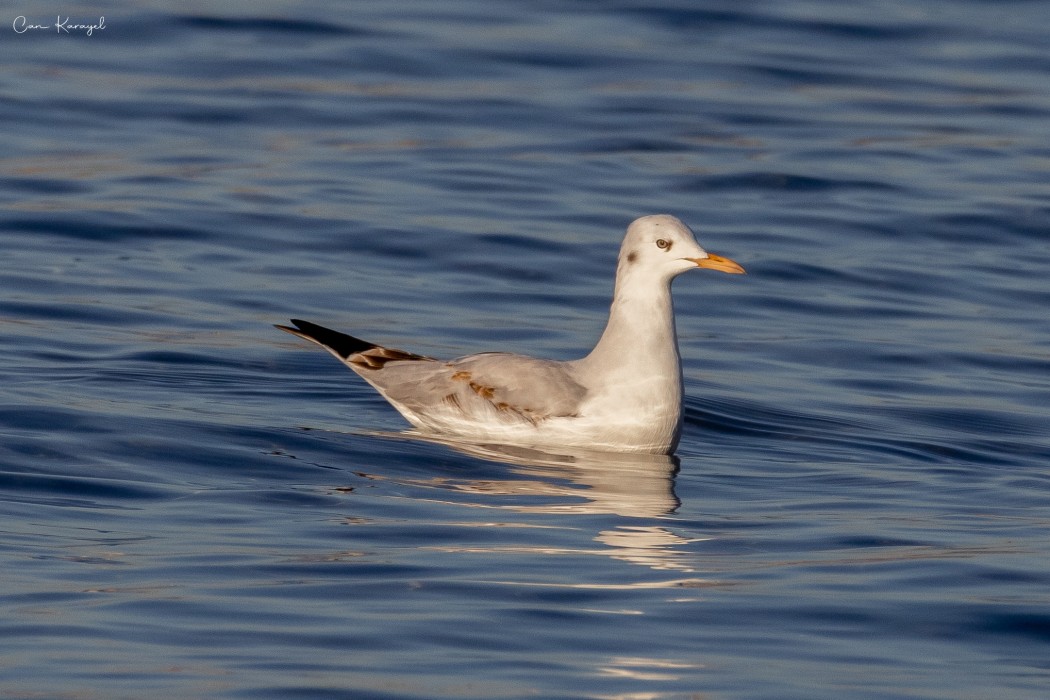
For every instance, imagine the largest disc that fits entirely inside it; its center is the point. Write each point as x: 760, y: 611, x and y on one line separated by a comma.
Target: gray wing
x: 513, y: 388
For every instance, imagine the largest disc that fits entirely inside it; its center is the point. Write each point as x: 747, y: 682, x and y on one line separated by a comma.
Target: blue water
x: 193, y: 504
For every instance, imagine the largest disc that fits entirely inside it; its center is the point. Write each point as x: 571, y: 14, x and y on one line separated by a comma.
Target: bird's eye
x: 663, y: 244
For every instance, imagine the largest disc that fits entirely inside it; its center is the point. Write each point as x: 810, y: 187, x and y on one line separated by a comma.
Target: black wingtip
x: 340, y: 343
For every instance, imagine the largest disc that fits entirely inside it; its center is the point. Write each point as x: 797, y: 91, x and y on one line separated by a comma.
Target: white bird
x: 625, y: 396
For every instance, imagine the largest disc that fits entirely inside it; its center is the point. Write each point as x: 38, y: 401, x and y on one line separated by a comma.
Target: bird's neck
x: 639, y: 342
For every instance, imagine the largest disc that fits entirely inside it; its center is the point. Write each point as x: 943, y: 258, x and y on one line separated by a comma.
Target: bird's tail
x: 339, y: 344
x: 357, y: 353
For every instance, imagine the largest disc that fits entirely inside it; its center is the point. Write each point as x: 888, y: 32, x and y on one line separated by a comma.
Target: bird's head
x: 662, y: 247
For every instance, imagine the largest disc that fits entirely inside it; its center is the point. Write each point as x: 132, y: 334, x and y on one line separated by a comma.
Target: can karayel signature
x: 61, y: 25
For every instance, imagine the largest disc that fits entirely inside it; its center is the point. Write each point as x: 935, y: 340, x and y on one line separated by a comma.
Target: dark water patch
x: 23, y: 452
x: 713, y: 20
x: 868, y: 541
x: 774, y: 181
x: 744, y: 418
x: 562, y: 61
x: 706, y: 19
x: 628, y: 144
x: 473, y: 179
x: 985, y: 228
x: 753, y: 120
x: 78, y: 492
x: 29, y: 418
x: 294, y: 500
x: 499, y: 243
x: 270, y: 25
x: 214, y: 361
x: 872, y: 29
x: 44, y: 186
x: 852, y: 436
x: 791, y: 271
x: 976, y: 421
x: 108, y: 232
x: 1024, y: 624
x: 383, y: 242
x: 86, y: 311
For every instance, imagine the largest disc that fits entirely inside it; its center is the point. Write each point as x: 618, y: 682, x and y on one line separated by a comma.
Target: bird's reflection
x: 631, y: 485
x: 625, y: 503
x: 638, y: 486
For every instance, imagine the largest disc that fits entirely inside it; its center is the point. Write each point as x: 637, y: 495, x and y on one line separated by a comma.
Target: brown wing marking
x: 488, y: 393
x: 378, y: 356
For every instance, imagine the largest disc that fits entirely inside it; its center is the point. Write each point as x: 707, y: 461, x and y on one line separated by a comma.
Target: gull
x: 625, y: 396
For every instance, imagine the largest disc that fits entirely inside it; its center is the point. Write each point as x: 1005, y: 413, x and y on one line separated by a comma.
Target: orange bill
x: 717, y: 262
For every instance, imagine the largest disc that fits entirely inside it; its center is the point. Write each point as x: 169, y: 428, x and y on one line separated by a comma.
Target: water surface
x: 193, y: 504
